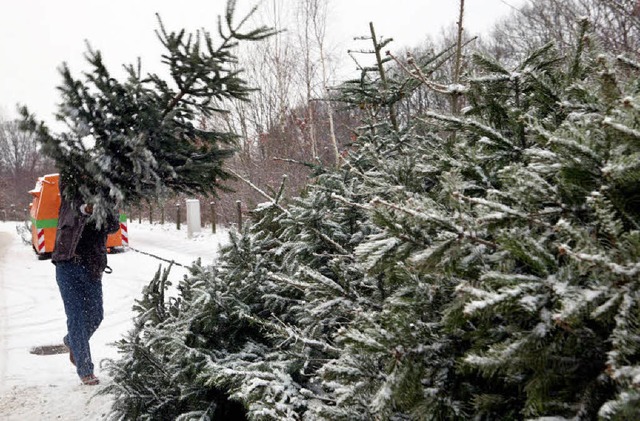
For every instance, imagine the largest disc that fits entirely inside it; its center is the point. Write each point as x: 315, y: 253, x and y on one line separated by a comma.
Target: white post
x: 193, y: 217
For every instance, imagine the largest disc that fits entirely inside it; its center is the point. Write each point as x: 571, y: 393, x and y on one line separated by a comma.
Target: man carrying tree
x: 80, y: 256
x: 131, y: 141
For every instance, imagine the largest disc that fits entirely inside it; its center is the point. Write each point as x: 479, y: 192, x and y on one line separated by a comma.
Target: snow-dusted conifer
x: 488, y: 275
x: 511, y: 285
x: 260, y: 325
x: 139, y: 138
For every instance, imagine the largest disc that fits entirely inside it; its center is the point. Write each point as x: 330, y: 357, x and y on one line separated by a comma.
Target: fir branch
x: 628, y: 269
x: 323, y: 280
x: 429, y: 217
x: 443, y: 222
x: 291, y: 332
x: 483, y: 129
x: 346, y: 201
x: 490, y: 78
x: 629, y: 62
x: 293, y: 282
x: 173, y: 103
x: 286, y: 212
x: 489, y: 65
x: 621, y: 128
x: 500, y: 207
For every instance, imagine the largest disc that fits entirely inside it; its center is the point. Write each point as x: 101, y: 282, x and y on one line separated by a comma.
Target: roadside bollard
x: 178, y: 216
x: 213, y: 217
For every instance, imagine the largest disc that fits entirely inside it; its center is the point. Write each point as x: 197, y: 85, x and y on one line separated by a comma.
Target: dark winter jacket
x: 78, y: 238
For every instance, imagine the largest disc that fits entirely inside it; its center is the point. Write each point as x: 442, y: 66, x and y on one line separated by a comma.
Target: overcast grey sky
x: 36, y: 36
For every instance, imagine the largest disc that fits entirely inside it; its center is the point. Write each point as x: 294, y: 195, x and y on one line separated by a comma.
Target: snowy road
x: 31, y: 314
x: 5, y: 239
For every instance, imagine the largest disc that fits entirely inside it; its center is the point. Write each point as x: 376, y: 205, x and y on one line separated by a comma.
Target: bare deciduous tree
x: 542, y: 21
x: 289, y: 126
x: 20, y: 163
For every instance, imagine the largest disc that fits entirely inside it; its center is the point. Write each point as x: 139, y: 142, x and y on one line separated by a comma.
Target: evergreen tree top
x: 140, y: 138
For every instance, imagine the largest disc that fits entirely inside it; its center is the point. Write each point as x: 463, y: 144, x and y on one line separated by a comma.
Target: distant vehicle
x: 44, y: 219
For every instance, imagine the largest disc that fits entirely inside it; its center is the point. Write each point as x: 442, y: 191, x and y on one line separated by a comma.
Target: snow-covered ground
x: 34, y: 387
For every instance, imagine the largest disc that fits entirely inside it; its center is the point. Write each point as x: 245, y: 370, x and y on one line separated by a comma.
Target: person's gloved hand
x: 86, y: 209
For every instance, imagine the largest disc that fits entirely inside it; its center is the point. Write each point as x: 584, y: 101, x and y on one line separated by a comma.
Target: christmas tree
x: 517, y: 267
x: 480, y: 265
x: 138, y: 139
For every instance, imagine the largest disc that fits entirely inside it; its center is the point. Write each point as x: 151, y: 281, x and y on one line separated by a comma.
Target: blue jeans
x: 82, y: 297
